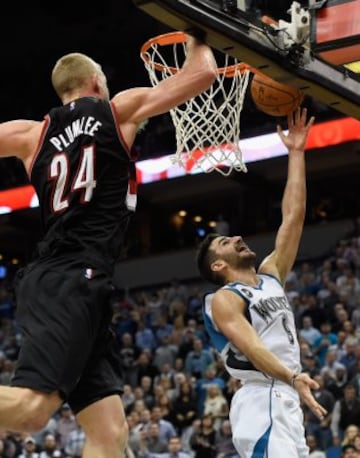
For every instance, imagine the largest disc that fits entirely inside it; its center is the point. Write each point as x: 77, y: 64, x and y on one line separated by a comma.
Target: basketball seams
x: 273, y: 97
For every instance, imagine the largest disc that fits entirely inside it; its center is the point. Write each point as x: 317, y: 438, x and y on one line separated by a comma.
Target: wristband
x: 293, y: 378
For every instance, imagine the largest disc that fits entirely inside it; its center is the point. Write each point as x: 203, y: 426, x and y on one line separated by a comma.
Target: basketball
x: 274, y: 98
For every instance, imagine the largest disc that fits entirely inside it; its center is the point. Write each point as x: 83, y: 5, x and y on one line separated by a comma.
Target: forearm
x: 265, y: 361
x: 294, y: 199
x: 199, y: 58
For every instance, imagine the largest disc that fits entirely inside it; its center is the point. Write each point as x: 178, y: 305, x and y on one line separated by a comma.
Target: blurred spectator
x: 216, y: 405
x: 29, y: 450
x: 323, y: 342
x: 128, y: 397
x: 308, y: 331
x: 314, y: 450
x: 146, y: 384
x: 144, y: 337
x: 310, y: 364
x: 348, y: 451
x: 166, y: 429
x: 184, y: 407
x: 312, y: 309
x: 356, y: 443
x: 7, y: 372
x: 349, y: 435
x: 75, y: 443
x: 174, y: 450
x: 203, y: 441
x: 49, y: 448
x: 167, y: 411
x: 65, y: 424
x: 164, y: 328
x: 331, y: 365
x: 165, y: 353
x: 153, y: 442
x: 210, y: 378
x: 129, y: 353
x: 224, y: 444
x: 336, y: 385
x: 145, y: 367
x: 346, y: 412
x: 349, y: 358
x: 198, y: 360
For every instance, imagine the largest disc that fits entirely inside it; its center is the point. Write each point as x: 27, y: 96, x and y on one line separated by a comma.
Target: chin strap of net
x: 207, y: 126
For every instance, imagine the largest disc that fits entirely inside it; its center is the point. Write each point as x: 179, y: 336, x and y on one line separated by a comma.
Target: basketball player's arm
x: 281, y: 260
x: 198, y: 72
x: 228, y: 313
x: 16, y: 138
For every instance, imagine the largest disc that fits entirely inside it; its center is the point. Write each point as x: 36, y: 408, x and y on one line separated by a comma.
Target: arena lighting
x: 254, y: 149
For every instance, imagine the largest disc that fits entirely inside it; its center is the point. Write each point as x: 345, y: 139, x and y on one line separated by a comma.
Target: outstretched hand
x: 303, y: 385
x: 298, y: 130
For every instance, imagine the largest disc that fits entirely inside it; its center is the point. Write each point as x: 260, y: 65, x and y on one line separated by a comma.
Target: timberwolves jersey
x: 270, y: 314
x: 85, y: 182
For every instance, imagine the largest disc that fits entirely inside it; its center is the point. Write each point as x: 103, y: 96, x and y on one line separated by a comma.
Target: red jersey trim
x: 120, y: 134
x: 40, y: 142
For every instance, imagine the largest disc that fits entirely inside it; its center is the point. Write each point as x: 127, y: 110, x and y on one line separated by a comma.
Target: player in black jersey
x: 79, y: 161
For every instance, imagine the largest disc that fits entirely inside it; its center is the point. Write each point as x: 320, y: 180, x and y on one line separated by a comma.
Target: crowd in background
x: 177, y: 393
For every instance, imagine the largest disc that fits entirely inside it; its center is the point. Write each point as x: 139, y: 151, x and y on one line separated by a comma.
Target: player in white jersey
x: 252, y: 326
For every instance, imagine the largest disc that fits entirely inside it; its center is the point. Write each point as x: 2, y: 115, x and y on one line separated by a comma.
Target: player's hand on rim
x: 303, y: 385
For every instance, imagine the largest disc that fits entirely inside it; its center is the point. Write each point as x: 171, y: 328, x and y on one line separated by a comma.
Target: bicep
x: 14, y: 138
x: 228, y: 311
x: 138, y: 104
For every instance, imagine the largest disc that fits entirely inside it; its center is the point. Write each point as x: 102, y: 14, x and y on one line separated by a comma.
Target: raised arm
x: 196, y: 75
x: 281, y: 260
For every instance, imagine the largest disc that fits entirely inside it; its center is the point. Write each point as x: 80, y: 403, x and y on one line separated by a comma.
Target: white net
x: 207, y: 127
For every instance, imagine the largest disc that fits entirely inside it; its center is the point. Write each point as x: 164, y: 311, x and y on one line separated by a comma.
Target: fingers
x: 298, y: 118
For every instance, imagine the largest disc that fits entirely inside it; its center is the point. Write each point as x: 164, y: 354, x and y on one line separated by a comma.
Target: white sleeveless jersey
x: 270, y: 314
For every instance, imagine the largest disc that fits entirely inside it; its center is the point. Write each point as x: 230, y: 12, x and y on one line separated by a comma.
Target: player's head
x: 75, y: 74
x: 218, y: 254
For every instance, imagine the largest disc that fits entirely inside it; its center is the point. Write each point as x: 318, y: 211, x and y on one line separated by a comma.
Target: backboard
x: 299, y: 51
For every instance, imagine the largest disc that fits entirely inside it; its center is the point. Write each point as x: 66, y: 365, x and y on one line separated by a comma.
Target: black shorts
x: 64, y: 314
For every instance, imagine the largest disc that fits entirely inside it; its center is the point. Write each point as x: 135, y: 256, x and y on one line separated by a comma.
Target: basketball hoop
x: 207, y: 126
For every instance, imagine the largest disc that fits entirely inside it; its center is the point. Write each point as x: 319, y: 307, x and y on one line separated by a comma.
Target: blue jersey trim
x: 219, y: 340
x: 262, y: 444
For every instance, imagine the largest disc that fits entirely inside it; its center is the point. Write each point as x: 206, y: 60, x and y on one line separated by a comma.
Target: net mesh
x: 207, y: 126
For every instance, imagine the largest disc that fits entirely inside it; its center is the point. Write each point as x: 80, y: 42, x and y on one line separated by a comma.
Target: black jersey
x: 85, y: 182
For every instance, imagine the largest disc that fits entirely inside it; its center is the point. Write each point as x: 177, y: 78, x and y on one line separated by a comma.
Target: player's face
x: 234, y: 251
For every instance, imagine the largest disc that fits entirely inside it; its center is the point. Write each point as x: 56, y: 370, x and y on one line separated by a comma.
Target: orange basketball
x: 274, y: 98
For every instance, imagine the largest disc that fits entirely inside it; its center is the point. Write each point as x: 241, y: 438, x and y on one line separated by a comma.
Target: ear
x: 218, y: 265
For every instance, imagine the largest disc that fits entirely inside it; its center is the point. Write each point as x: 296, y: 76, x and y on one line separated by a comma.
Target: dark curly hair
x: 205, y: 257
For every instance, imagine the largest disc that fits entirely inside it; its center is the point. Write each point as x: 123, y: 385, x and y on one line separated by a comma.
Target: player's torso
x: 83, y: 177
x: 270, y: 315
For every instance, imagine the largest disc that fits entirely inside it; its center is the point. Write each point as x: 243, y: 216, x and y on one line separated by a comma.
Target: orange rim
x: 173, y: 38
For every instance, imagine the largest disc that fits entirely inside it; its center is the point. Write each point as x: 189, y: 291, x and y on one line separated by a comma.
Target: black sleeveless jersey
x: 85, y: 181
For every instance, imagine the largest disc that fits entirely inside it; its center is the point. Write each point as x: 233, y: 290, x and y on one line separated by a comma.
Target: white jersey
x: 270, y: 314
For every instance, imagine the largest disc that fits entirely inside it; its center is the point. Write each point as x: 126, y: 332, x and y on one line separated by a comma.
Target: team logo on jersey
x: 72, y: 105
x: 247, y: 293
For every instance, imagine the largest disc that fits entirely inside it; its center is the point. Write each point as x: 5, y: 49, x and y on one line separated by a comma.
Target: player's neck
x: 247, y: 276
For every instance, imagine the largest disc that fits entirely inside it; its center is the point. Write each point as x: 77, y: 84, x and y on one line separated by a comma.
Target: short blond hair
x: 72, y: 71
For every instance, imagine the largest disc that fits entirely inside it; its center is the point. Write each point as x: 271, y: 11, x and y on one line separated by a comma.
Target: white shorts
x: 267, y: 422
